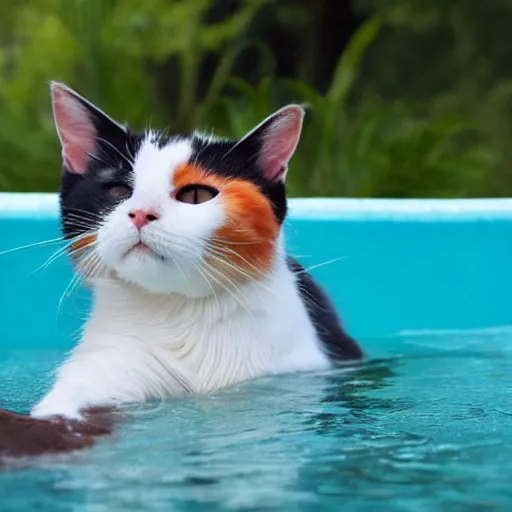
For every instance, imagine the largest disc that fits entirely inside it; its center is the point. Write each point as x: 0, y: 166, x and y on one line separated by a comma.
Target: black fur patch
x: 84, y: 198
x: 338, y: 345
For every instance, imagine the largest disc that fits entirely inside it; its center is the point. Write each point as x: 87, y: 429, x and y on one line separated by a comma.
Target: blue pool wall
x: 399, y: 265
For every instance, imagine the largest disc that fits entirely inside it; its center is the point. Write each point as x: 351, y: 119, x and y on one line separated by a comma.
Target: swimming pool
x: 424, y: 424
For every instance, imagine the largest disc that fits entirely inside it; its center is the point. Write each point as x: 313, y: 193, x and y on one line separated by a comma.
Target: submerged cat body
x: 180, y: 239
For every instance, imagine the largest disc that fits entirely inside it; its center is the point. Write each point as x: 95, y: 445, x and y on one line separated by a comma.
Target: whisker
x: 80, y: 217
x: 74, y: 218
x: 81, y: 230
x: 229, y: 242
x: 164, y: 239
x: 132, y: 164
x: 236, y: 254
x: 93, y: 266
x: 226, y: 288
x: 55, y: 256
x: 36, y: 244
x: 80, y: 224
x: 240, y: 271
x: 67, y: 292
x: 89, y: 265
x: 86, y: 216
x: 335, y: 260
x: 222, y: 242
x: 129, y: 151
x: 200, y: 270
x: 255, y: 284
x: 96, y: 157
x: 312, y: 299
x: 80, y: 210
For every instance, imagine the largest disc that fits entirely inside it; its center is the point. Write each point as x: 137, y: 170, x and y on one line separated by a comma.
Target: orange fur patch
x: 81, y: 253
x: 247, y: 240
x: 83, y: 243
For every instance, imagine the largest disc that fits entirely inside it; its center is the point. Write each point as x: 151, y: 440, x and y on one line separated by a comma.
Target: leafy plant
x: 382, y: 127
x: 112, y: 52
x: 370, y: 149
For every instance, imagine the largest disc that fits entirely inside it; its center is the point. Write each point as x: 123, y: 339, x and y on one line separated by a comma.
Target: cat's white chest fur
x: 138, y: 345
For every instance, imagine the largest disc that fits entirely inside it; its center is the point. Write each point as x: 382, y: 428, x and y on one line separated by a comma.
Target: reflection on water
x: 429, y: 428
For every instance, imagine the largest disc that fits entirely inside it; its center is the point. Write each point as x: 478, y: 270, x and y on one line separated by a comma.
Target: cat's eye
x: 119, y: 191
x: 196, y: 194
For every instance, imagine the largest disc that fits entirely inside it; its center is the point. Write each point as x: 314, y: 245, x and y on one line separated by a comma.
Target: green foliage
x: 449, y: 57
x: 386, y: 125
x: 111, y: 52
x: 371, y: 149
x: 380, y: 150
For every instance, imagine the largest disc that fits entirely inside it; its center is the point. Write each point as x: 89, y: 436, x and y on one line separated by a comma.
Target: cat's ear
x: 274, y: 140
x: 80, y: 126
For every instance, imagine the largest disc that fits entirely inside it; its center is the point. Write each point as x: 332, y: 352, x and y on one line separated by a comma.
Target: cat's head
x: 173, y: 214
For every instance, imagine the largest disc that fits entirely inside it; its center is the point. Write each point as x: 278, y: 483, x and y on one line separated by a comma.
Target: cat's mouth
x: 142, y: 249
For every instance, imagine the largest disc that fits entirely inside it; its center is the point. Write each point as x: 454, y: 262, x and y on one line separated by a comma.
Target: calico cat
x: 180, y: 239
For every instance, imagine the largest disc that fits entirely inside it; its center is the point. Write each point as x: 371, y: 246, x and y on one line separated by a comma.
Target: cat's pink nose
x: 142, y: 217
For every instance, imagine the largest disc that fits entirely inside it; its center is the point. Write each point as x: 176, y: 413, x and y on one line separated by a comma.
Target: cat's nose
x: 141, y: 217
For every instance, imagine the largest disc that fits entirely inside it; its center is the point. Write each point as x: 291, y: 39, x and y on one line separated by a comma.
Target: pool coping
x: 45, y: 206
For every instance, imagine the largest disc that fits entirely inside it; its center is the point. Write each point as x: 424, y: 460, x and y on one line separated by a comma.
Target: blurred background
x: 406, y: 98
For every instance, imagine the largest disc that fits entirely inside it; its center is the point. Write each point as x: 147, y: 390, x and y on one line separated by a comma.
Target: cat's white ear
x: 275, y: 140
x: 79, y: 125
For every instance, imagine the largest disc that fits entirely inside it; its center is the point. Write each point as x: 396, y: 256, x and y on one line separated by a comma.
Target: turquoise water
x: 424, y: 425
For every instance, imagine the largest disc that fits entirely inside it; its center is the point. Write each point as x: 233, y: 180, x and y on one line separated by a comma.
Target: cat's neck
x: 245, y: 328
x: 119, y: 303
x: 113, y: 296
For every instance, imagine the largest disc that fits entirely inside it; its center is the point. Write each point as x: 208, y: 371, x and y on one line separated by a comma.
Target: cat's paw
x: 22, y: 435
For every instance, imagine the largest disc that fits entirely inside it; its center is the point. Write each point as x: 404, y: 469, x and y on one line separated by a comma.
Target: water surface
x: 426, y: 424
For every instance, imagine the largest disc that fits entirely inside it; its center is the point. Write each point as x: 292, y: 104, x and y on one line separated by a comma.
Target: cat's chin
x: 156, y: 276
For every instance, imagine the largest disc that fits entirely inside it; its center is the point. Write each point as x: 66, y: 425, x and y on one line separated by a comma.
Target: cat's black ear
x: 81, y: 127
x: 274, y: 141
